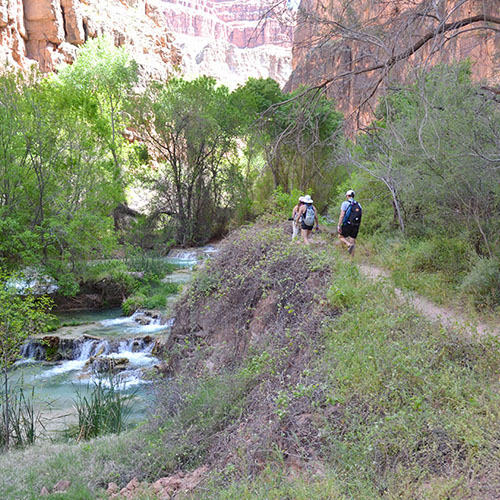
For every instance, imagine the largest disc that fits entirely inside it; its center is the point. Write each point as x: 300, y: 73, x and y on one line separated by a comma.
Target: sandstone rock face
x: 48, y: 32
x: 315, y: 59
x: 228, y: 39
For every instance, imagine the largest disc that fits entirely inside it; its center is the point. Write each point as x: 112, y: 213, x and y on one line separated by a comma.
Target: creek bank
x: 106, y: 293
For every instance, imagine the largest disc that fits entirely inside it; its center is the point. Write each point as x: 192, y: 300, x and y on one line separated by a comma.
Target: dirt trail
x: 446, y: 316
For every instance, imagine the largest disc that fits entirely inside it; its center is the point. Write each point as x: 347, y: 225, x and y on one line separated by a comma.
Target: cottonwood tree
x: 298, y: 135
x: 190, y: 129
x: 101, y: 80
x: 58, y: 181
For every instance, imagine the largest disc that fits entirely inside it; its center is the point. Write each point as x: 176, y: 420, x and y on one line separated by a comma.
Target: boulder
x: 100, y: 364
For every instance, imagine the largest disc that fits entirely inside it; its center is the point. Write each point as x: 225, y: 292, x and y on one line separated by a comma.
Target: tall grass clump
x: 105, y: 409
x: 24, y: 420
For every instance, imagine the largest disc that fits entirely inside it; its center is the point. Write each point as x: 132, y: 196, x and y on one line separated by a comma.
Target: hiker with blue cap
x: 349, y: 221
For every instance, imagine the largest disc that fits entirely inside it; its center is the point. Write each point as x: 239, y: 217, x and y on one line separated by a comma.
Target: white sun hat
x: 350, y: 193
x: 307, y: 199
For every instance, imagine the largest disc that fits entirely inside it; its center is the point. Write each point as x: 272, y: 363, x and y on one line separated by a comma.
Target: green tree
x: 190, y: 129
x: 100, y: 82
x: 59, y: 186
x: 297, y: 134
x: 436, y: 148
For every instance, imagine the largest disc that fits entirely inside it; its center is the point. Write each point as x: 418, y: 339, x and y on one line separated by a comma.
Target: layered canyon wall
x: 228, y: 39
x: 339, y: 42
x: 49, y: 32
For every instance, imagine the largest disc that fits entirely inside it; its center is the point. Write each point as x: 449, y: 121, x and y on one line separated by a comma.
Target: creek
x: 100, y: 342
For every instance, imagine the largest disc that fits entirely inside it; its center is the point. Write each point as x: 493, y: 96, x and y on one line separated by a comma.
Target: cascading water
x: 126, y: 344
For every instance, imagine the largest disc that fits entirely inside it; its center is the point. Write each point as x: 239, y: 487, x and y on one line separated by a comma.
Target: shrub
x: 482, y: 283
x: 131, y: 304
x: 281, y: 204
x: 448, y: 255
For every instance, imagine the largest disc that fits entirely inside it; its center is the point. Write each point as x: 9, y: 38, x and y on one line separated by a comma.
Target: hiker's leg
x: 295, y: 232
x: 352, y: 246
x: 305, y: 236
x: 344, y: 240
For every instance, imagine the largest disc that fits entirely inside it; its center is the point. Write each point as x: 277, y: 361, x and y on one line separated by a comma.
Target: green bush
x: 131, y: 304
x: 482, y: 283
x: 281, y: 204
x: 448, y: 255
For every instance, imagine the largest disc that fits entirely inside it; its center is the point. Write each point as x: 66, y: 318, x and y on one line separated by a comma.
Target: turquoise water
x: 57, y: 385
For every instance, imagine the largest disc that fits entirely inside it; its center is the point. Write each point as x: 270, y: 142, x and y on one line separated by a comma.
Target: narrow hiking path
x: 448, y: 317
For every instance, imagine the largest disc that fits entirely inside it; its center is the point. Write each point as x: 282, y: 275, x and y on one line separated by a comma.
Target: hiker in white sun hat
x: 308, y: 216
x: 296, y: 218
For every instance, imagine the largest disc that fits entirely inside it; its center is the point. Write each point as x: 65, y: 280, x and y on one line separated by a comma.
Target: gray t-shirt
x: 344, y: 206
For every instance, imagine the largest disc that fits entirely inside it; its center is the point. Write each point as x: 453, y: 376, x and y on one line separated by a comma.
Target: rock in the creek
x: 147, y: 317
x: 142, y: 319
x: 107, y: 365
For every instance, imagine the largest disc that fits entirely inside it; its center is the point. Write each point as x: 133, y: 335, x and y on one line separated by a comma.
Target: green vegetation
x: 19, y: 318
x: 326, y: 374
x: 427, y: 175
x: 19, y: 420
x: 103, y: 410
x: 281, y: 358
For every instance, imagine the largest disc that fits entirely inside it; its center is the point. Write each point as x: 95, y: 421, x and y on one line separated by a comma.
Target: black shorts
x: 349, y: 230
x: 305, y: 226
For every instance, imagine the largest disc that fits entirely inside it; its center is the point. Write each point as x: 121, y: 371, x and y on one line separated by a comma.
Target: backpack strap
x: 348, y: 212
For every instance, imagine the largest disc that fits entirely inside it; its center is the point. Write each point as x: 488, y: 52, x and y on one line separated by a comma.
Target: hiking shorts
x: 305, y: 226
x: 349, y: 230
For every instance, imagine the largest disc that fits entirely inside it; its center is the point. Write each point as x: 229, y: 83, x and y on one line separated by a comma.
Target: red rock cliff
x: 48, y: 32
x: 339, y: 42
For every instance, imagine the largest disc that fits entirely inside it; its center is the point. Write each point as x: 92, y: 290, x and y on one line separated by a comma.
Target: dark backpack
x: 353, y: 214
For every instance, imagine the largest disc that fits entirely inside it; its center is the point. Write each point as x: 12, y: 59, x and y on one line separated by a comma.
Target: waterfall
x: 179, y: 253
x: 32, y: 350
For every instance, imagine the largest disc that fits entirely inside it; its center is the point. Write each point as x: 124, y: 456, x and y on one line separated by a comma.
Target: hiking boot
x: 350, y: 249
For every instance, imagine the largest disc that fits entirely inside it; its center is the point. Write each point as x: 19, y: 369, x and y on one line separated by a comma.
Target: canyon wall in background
x: 316, y: 57
x: 49, y: 32
x: 229, y: 39
x: 222, y: 38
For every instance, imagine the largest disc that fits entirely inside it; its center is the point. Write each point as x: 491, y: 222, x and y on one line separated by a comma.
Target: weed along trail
x: 446, y: 316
